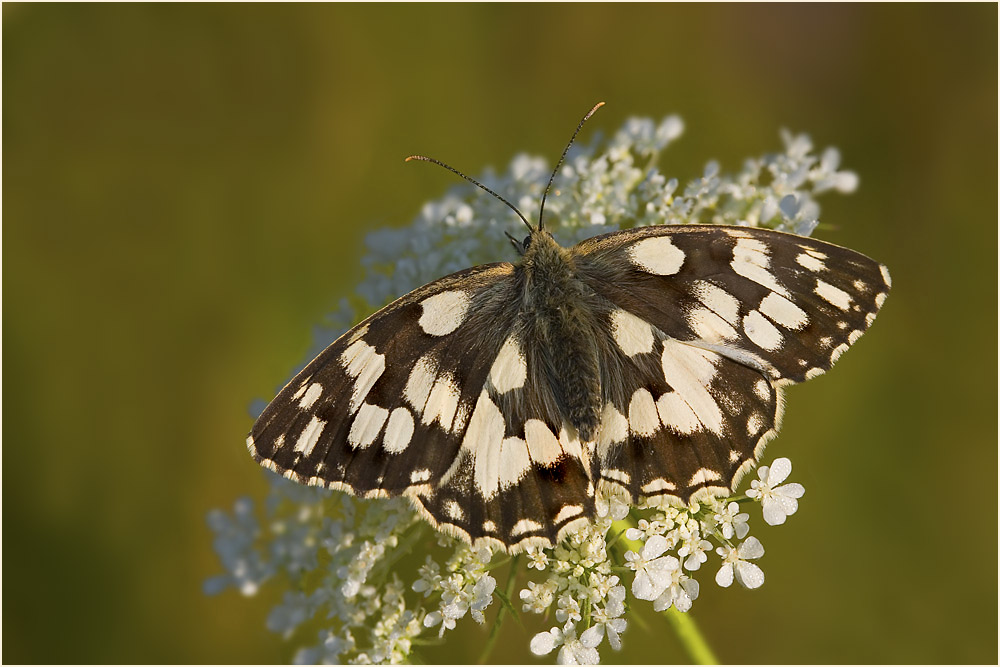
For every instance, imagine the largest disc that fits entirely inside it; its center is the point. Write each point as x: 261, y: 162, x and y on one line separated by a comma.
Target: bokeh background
x: 186, y: 189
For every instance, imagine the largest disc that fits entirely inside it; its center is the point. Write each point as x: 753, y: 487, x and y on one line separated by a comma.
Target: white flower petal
x: 592, y: 636
x: 750, y: 548
x: 544, y: 642
x: 793, y: 490
x: 654, y: 547
x: 774, y: 513
x: 645, y: 587
x: 749, y: 575
x: 780, y: 469
x: 724, y: 577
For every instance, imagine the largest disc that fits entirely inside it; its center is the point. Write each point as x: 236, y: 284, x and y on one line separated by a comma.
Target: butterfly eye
x: 526, y: 242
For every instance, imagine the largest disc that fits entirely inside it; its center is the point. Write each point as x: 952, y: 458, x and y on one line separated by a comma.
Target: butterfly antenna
x: 541, y: 209
x: 474, y: 182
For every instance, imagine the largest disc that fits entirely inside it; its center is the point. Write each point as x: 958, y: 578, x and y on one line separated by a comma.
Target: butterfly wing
x: 429, y: 397
x: 708, y: 322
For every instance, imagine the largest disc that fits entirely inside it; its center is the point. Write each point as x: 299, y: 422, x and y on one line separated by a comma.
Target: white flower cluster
x: 588, y: 596
x: 344, y: 558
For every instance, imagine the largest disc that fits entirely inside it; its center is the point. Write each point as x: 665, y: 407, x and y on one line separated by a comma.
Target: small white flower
x: 647, y: 529
x: 430, y: 577
x: 537, y: 558
x: 694, y: 549
x: 778, y: 502
x: 538, y: 597
x: 681, y: 593
x: 735, y: 565
x: 732, y: 522
x: 436, y: 617
x: 608, y: 621
x: 482, y: 596
x: 582, y: 651
x: 652, y: 570
x: 568, y: 609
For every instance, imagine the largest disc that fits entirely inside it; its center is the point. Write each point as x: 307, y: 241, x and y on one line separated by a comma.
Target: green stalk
x: 690, y: 637
x: 495, y: 632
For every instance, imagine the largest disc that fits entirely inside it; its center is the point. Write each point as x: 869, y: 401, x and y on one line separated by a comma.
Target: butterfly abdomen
x: 562, y: 325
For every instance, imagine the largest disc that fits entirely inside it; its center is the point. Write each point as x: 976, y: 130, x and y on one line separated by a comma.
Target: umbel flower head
x: 349, y: 564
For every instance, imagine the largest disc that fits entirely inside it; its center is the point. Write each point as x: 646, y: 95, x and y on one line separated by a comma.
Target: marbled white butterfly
x: 503, y: 398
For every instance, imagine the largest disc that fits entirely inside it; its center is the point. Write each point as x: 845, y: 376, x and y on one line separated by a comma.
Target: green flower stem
x: 495, y: 632
x: 690, y: 636
x: 683, y: 624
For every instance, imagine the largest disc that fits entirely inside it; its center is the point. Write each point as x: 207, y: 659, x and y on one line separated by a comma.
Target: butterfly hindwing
x: 689, y: 421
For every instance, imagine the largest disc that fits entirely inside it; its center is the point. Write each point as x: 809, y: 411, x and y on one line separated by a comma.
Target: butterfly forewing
x: 379, y: 410
x: 784, y: 304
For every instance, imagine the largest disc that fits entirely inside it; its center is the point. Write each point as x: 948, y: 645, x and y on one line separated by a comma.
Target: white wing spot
x: 633, y: 335
x: 418, y: 476
x: 880, y: 299
x: 784, y: 312
x: 309, y: 436
x: 398, y: 431
x: 703, y: 476
x: 489, y: 526
x: 642, y: 417
x: 454, y: 511
x: 442, y: 402
x: 717, y: 300
x: 567, y: 512
x: 298, y: 392
x: 311, y: 395
x: 419, y: 383
x: 524, y: 526
x: 367, y: 425
x: 364, y: 365
x: 833, y: 295
x: 750, y: 260
x: 810, y: 262
x: 657, y: 255
x: 543, y: 447
x: 710, y: 327
x: 514, y: 461
x: 853, y: 337
x: 570, y: 443
x: 509, y: 370
x: 885, y: 274
x: 483, y: 440
x: 763, y: 389
x: 837, y: 352
x: 676, y: 414
x: 734, y: 455
x: 689, y: 370
x: 754, y: 424
x: 760, y: 330
x: 444, y: 312
x: 658, y: 486
x: 616, y: 475
x: 613, y: 429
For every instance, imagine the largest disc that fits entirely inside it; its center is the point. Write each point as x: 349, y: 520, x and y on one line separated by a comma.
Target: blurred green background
x: 186, y: 189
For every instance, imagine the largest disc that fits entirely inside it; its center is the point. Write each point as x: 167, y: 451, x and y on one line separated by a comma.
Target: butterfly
x: 503, y: 399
